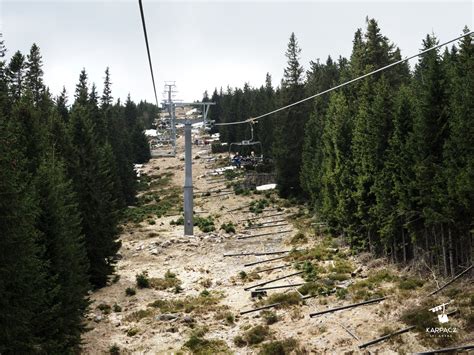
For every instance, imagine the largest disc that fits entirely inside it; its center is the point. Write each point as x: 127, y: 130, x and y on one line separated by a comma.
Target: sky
x: 202, y: 45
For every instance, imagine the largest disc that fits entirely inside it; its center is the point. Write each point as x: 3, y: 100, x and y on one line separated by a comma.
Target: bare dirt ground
x: 200, y: 264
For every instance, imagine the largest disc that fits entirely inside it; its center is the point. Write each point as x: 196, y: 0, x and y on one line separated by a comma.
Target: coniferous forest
x: 66, y: 173
x: 387, y: 162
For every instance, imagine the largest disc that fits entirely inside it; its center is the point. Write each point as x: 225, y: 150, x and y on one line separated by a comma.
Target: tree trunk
x: 443, y: 246
x: 451, y: 252
x: 404, y: 246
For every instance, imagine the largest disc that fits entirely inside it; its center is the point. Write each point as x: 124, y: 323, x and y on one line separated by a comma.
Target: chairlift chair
x: 247, y: 160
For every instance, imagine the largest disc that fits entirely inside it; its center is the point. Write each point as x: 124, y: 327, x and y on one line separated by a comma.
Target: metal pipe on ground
x: 273, y: 268
x: 278, y: 287
x: 265, y: 261
x: 271, y: 306
x: 274, y: 280
x: 271, y: 215
x: 451, y: 281
x: 331, y: 310
x: 264, y: 225
x: 401, y: 331
x: 262, y: 235
x: 263, y: 253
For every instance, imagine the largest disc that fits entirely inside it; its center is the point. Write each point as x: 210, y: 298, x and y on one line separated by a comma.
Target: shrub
x: 228, y: 227
x: 130, y: 291
x: 114, y: 350
x: 105, y: 308
x: 256, y: 334
x: 410, y: 284
x: 132, y: 331
x: 270, y: 317
x: 285, y: 299
x: 142, y: 280
x: 117, y: 308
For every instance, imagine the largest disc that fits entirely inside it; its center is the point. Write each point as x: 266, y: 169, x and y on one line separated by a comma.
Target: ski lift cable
x: 254, y: 119
x: 148, y: 50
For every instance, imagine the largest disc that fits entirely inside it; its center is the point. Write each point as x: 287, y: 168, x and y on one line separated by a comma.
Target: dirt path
x: 200, y: 265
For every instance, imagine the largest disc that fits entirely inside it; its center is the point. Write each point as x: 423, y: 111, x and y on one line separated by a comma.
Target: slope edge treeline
x: 387, y: 162
x: 65, y: 175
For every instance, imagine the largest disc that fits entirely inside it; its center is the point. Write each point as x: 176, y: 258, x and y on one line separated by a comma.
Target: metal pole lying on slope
x: 265, y: 261
x: 271, y: 305
x: 263, y: 234
x: 278, y: 287
x: 274, y: 280
x: 347, y: 307
x: 267, y: 226
x: 451, y: 281
x: 401, y: 331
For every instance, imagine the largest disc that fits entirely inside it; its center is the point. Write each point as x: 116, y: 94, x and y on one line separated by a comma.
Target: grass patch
x: 132, y: 331
x: 410, y: 283
x: 201, y: 346
x: 168, y: 281
x: 138, y: 315
x: 322, y: 287
x: 253, y: 336
x: 285, y: 299
x: 151, y: 205
x: 227, y: 316
x: 280, y: 347
x: 298, y: 238
x: 247, y: 277
x: 205, y: 224
x: 203, y: 303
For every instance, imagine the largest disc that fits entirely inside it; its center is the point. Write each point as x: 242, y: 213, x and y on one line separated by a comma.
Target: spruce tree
x: 16, y: 75
x: 34, y: 73
x: 59, y: 224
x: 290, y: 123
x: 22, y: 274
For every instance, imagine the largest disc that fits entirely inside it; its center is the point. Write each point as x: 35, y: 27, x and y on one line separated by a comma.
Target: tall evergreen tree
x: 16, y: 75
x: 290, y: 123
x: 34, y: 73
